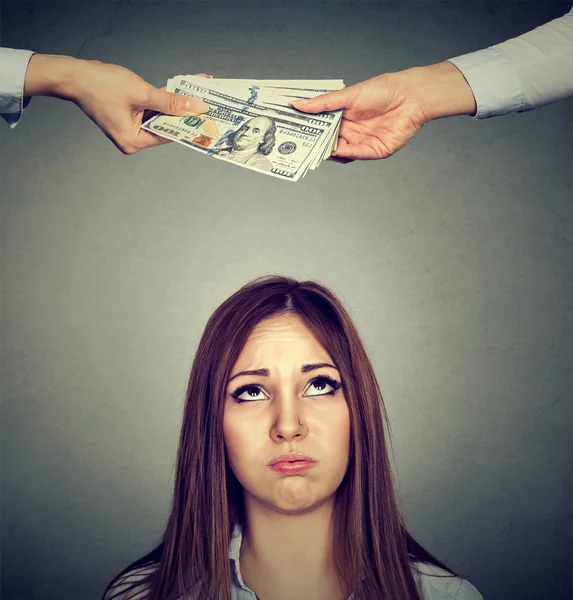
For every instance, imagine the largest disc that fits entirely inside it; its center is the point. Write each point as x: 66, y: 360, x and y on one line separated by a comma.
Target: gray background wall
x: 454, y: 257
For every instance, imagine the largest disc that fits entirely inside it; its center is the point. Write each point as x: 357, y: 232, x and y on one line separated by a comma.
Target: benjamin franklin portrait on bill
x: 252, y: 143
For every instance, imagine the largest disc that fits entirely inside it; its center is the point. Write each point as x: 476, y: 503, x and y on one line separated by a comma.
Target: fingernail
x: 195, y: 106
x: 299, y: 102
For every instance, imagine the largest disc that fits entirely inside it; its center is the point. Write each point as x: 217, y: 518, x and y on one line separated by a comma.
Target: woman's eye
x: 322, y: 386
x: 248, y: 393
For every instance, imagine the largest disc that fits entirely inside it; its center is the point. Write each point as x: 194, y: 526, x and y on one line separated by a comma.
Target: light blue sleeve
x: 522, y: 73
x: 468, y: 592
x: 13, y: 65
x: 436, y: 584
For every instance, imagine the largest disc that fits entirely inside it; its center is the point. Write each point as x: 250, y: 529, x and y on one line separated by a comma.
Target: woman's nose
x: 288, y: 422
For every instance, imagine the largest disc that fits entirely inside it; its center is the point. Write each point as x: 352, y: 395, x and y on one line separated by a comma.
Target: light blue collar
x: 234, y: 551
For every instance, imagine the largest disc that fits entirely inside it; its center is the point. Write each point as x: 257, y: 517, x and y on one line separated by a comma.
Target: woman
x: 283, y: 486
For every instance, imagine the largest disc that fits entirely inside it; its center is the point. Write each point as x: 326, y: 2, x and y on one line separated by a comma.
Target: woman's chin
x: 296, y: 499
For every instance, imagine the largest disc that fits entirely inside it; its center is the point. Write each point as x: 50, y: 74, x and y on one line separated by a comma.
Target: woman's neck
x: 289, y: 557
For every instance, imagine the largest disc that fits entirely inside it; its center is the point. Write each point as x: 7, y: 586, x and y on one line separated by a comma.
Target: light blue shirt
x: 13, y: 65
x: 433, y: 583
x: 522, y: 73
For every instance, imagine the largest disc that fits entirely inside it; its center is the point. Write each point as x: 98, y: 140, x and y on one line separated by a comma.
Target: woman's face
x: 284, y: 376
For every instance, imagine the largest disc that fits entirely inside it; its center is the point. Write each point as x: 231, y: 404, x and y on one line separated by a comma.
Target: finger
x: 325, y: 102
x: 354, y: 152
x: 354, y: 132
x: 174, y: 104
x: 341, y: 151
x: 146, y: 139
x: 340, y: 159
x: 134, y: 138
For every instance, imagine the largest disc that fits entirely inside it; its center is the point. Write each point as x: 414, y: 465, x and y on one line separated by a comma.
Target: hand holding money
x: 383, y: 113
x: 253, y: 124
x: 111, y: 96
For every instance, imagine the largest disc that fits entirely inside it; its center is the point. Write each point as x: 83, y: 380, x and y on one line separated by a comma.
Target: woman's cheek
x: 239, y: 440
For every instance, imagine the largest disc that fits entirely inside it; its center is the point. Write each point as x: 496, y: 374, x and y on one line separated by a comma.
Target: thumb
x: 331, y: 101
x: 175, y: 104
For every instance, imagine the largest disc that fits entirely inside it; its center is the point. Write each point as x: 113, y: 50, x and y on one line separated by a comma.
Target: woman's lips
x: 292, y: 467
x: 291, y: 463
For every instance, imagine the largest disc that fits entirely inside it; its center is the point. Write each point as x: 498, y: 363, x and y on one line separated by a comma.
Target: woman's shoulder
x: 437, y: 584
x: 132, y: 585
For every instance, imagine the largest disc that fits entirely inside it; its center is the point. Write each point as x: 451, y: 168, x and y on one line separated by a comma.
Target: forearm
x: 440, y: 90
x: 113, y: 97
x: 52, y: 75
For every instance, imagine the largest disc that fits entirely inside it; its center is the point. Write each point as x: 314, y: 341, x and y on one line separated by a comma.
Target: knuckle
x: 126, y: 147
x: 144, y: 96
x: 172, y: 103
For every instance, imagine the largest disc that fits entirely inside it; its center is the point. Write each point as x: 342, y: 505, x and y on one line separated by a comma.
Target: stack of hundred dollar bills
x: 253, y: 125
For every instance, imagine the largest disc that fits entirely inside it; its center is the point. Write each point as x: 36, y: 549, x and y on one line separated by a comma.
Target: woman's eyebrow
x: 313, y: 367
x: 266, y: 372
x: 261, y: 372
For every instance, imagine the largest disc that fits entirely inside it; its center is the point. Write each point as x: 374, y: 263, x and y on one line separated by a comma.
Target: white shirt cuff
x: 13, y: 66
x: 495, y: 85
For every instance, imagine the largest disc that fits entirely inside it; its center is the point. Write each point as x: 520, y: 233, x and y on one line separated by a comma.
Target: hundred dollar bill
x: 280, y: 93
x: 268, y: 93
x: 280, y: 141
x: 322, y: 86
x: 260, y: 92
x: 257, y: 93
x: 254, y: 93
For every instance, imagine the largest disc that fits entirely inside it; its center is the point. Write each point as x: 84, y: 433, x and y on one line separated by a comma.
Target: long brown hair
x: 376, y: 558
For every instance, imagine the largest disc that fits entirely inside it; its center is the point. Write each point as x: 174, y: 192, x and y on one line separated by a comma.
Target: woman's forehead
x: 283, y: 336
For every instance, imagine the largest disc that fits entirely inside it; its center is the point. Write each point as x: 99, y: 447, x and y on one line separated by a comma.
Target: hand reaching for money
x: 383, y: 113
x: 116, y: 99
